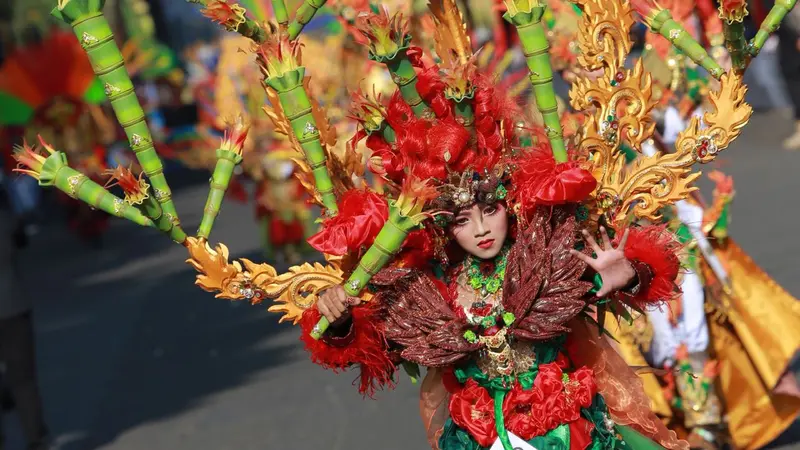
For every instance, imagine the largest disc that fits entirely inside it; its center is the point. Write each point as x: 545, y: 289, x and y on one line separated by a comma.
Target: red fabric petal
x: 580, y: 434
x: 367, y: 348
x: 362, y: 214
x: 658, y: 248
x: 538, y: 180
x: 567, y: 183
x: 472, y: 409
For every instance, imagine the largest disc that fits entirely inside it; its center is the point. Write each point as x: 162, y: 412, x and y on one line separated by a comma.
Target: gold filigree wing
x: 656, y: 181
x: 296, y: 290
x: 292, y: 292
x: 604, y: 37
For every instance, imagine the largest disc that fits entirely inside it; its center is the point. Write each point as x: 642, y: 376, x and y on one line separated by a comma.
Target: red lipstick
x: 486, y: 243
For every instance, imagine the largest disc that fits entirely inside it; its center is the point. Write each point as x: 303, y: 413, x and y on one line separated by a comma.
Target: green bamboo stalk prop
x: 278, y: 61
x: 137, y: 193
x: 770, y: 24
x: 661, y: 22
x: 404, y: 215
x: 281, y: 13
x: 229, y: 155
x: 736, y: 44
x: 388, y: 44
x: 232, y: 17
x: 92, y: 29
x: 54, y: 170
x: 526, y: 16
x: 304, y: 14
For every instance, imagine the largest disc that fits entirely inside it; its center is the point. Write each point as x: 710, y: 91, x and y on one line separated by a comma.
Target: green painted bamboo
x: 770, y: 24
x: 92, y: 29
x: 249, y: 29
x: 151, y: 208
x: 736, y: 44
x: 281, y: 14
x: 666, y: 26
x: 56, y: 172
x: 386, y: 245
x: 297, y: 108
x: 304, y: 15
x: 537, y: 55
x: 227, y: 161
x: 405, y: 77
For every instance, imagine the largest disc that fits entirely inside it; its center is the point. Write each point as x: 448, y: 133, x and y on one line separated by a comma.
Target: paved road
x: 133, y: 356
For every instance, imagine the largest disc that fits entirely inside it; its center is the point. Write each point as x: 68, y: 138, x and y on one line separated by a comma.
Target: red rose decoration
x: 362, y: 214
x: 582, y: 387
x: 472, y: 409
x: 520, y: 419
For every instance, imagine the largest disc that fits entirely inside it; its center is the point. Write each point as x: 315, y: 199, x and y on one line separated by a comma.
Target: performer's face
x: 481, y: 229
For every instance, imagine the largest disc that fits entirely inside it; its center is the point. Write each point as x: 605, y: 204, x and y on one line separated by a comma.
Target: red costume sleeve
x: 359, y: 341
x: 653, y: 252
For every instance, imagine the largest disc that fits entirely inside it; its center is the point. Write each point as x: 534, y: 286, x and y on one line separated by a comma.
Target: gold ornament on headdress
x: 622, y: 100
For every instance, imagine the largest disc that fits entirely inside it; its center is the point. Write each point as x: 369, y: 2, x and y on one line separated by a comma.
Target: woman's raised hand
x: 615, y: 270
x: 333, y: 303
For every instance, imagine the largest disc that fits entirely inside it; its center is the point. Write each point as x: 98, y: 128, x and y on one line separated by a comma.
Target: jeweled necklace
x: 486, y: 276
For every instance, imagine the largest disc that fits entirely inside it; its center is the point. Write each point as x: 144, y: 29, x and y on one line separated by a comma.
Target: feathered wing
x: 542, y: 287
x: 419, y: 319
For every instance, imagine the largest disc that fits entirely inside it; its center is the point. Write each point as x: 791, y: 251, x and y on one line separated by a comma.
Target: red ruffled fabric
x: 362, y: 214
x: 365, y: 345
x: 551, y: 402
x: 472, y: 409
x: 655, y: 246
x: 539, y: 180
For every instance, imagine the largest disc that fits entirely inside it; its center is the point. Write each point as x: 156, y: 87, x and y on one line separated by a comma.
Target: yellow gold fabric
x: 754, y: 340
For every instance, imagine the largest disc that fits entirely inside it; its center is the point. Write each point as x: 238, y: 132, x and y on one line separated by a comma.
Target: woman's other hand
x: 333, y: 303
x: 615, y: 270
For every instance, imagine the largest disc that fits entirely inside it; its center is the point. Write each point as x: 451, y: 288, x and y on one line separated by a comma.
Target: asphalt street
x: 132, y: 355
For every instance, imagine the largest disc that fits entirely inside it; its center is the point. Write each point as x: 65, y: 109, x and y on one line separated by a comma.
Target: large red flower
x: 362, y: 214
x: 520, y: 419
x: 472, y: 409
x: 582, y: 387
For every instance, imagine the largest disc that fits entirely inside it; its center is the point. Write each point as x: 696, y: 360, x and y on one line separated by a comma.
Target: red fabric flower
x: 520, y: 419
x: 472, y: 409
x: 582, y: 387
x: 538, y: 180
x: 553, y: 410
x: 362, y: 214
x: 481, y: 311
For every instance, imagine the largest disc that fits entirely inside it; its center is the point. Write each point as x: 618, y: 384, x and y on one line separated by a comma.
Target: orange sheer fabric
x: 433, y: 399
x: 621, y: 388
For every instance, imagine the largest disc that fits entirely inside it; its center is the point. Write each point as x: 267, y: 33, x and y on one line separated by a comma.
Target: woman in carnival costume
x: 503, y: 318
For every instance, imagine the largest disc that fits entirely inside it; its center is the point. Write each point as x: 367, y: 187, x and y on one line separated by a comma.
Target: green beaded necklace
x: 486, y: 283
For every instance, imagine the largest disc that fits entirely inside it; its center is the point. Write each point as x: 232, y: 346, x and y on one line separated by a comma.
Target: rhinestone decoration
x: 354, y: 284
x: 160, y: 195
x: 674, y: 34
x: 118, y: 207
x: 73, y: 184
x: 136, y: 139
x: 309, y: 129
x: 88, y: 39
x: 705, y: 146
x: 111, y: 90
